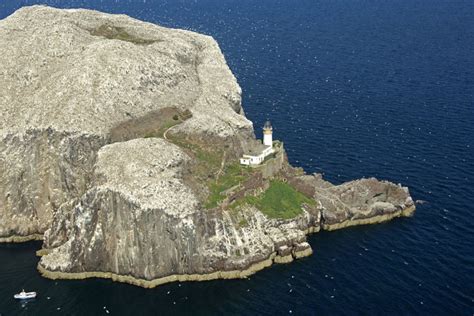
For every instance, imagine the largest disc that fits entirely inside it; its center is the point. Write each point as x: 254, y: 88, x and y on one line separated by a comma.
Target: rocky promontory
x: 119, y: 147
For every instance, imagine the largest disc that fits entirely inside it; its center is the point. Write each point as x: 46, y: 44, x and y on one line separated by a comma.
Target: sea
x: 354, y: 88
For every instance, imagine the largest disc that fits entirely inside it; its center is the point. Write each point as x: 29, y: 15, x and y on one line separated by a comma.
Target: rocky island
x: 120, y: 143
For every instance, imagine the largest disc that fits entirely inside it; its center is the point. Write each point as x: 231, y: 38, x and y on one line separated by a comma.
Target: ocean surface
x: 355, y: 88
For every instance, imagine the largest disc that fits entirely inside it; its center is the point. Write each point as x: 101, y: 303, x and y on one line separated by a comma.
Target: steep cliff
x: 141, y: 220
x: 71, y: 80
x: 119, y: 142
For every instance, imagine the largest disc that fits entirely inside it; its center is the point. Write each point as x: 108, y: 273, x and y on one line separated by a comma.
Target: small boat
x: 24, y: 295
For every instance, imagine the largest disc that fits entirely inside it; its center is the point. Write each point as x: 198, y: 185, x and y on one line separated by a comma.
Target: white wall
x: 244, y: 161
x: 255, y: 160
x: 268, y: 139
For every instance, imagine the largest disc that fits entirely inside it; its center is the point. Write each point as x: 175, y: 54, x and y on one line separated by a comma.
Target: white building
x: 260, y: 152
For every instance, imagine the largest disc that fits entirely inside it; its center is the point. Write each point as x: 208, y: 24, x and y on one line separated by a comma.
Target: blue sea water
x: 355, y: 88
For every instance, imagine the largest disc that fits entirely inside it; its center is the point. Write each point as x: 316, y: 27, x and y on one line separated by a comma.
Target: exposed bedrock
x: 39, y: 171
x: 142, y: 221
x: 84, y: 76
x: 365, y: 201
x: 358, y: 202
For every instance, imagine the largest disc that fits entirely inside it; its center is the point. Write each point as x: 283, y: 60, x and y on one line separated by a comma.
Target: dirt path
x: 165, y: 136
x: 222, y: 166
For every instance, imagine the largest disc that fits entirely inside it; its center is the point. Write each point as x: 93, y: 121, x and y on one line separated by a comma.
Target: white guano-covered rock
x: 70, y: 77
x: 140, y: 219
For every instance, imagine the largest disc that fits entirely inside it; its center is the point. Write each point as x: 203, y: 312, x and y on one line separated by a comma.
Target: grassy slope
x: 232, y: 175
x: 209, y: 163
x: 280, y: 201
x: 166, y: 125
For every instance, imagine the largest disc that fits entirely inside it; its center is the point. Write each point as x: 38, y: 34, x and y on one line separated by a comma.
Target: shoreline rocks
x: 408, y: 212
x: 139, y: 220
x: 21, y: 239
x: 304, y: 250
x: 284, y: 255
x: 235, y: 274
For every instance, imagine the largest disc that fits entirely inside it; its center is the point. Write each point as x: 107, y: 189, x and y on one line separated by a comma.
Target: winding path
x: 166, y: 132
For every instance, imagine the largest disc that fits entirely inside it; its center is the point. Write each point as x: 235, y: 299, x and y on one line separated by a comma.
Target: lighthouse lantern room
x: 268, y: 134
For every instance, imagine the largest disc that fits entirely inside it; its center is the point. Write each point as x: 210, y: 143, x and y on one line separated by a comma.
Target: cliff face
x: 141, y: 220
x: 141, y: 223
x: 118, y: 147
x: 70, y: 81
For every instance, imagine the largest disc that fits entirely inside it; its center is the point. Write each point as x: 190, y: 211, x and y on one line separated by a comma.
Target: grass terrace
x: 166, y: 125
x: 231, y: 176
x: 280, y: 200
x: 212, y: 168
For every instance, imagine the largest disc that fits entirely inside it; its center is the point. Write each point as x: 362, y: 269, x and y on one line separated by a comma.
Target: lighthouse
x: 268, y: 134
x: 260, y: 151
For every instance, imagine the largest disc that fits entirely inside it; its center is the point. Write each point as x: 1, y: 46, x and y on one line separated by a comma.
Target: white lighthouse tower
x: 258, y: 154
x: 268, y: 134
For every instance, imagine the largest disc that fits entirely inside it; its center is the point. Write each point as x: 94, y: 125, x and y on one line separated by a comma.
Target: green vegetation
x: 223, y: 179
x: 211, y: 159
x: 159, y: 132
x: 231, y: 176
x: 167, y: 120
x: 243, y: 222
x: 281, y: 200
x: 119, y: 33
x: 210, y: 169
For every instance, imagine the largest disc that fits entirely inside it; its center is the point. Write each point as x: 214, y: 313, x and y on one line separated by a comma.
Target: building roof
x: 256, y: 149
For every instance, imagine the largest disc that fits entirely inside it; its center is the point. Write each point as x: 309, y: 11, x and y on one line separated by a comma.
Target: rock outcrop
x: 140, y: 220
x: 69, y: 78
x: 140, y: 223
x: 364, y: 201
x: 114, y: 136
